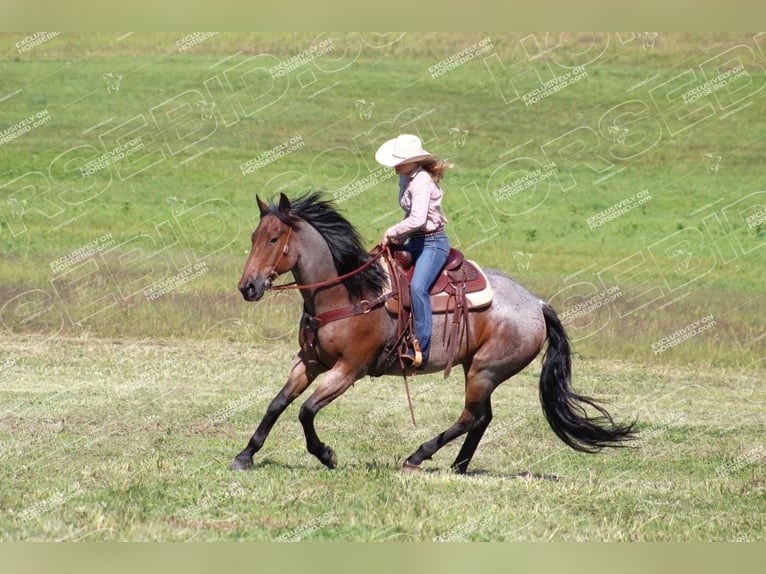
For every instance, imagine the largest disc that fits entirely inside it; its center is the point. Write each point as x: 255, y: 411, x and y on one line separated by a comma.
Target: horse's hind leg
x: 300, y: 377
x: 472, y: 418
x: 465, y: 455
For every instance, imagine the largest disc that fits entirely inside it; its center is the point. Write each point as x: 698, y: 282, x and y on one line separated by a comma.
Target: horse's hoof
x: 241, y: 464
x: 408, y: 468
x: 331, y: 461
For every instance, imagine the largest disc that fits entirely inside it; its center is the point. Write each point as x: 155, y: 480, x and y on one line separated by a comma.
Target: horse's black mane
x: 343, y: 240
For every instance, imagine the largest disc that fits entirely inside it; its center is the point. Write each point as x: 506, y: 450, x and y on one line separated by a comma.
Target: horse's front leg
x: 300, y: 377
x: 334, y: 384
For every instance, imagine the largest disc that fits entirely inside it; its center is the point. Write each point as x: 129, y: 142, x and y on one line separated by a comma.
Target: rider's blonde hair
x: 435, y: 167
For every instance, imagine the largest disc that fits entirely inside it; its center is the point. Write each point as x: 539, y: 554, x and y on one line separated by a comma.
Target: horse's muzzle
x: 253, y: 290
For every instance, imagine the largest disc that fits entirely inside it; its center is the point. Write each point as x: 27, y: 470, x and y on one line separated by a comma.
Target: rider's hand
x: 389, y: 236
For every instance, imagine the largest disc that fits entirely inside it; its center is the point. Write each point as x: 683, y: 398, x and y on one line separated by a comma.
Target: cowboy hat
x: 405, y: 148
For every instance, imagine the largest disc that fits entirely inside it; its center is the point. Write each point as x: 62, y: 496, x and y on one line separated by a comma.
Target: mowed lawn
x: 131, y: 440
x: 618, y: 176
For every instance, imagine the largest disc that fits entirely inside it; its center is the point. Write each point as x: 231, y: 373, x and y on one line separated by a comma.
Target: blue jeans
x: 429, y: 254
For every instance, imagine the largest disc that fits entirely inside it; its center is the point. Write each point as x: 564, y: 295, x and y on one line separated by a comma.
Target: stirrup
x: 417, y: 358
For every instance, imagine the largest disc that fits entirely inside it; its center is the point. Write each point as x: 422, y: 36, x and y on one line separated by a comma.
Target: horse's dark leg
x: 465, y: 455
x: 426, y: 450
x: 479, y: 387
x: 332, y: 386
x: 300, y: 377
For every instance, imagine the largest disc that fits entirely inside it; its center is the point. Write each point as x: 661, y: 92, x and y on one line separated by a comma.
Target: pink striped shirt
x: 420, y: 198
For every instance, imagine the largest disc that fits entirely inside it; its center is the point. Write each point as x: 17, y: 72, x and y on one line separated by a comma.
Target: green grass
x: 107, y: 395
x: 130, y: 440
x: 548, y: 224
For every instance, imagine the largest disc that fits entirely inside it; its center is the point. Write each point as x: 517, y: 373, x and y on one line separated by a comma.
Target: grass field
x: 131, y: 441
x: 619, y: 177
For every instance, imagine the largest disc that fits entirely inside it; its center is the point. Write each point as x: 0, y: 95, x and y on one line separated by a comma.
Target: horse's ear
x: 261, y: 206
x: 284, y: 203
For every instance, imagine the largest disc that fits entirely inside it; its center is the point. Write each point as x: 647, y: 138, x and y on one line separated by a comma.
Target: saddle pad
x: 444, y: 302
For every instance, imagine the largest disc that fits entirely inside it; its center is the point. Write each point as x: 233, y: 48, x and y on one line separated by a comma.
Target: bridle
x: 312, y: 323
x: 284, y: 248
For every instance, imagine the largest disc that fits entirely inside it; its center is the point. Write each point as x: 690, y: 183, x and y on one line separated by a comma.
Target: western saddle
x: 460, y: 286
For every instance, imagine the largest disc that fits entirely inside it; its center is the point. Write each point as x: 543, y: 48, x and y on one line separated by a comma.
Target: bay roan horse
x: 309, y: 238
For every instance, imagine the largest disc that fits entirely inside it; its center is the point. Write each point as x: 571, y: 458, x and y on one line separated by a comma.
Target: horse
x: 335, y: 273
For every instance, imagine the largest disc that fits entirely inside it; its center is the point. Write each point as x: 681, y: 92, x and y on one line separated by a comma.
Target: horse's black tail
x: 565, y: 409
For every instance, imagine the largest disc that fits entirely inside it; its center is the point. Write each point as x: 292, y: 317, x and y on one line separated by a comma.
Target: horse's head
x: 270, y: 254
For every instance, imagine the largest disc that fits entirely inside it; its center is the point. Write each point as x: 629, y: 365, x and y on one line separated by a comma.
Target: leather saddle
x: 459, y: 275
x: 460, y: 287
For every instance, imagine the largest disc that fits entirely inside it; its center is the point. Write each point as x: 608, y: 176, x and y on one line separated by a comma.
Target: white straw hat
x: 404, y: 148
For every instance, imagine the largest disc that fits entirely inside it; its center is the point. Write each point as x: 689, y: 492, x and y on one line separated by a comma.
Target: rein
x: 332, y: 281
x: 363, y: 307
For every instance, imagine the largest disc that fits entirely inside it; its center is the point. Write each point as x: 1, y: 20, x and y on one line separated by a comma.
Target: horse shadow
x: 268, y: 463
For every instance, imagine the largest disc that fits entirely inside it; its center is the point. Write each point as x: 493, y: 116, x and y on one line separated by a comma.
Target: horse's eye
x: 273, y: 240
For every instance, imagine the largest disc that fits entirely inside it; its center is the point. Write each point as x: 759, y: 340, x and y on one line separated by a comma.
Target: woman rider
x: 420, y: 196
